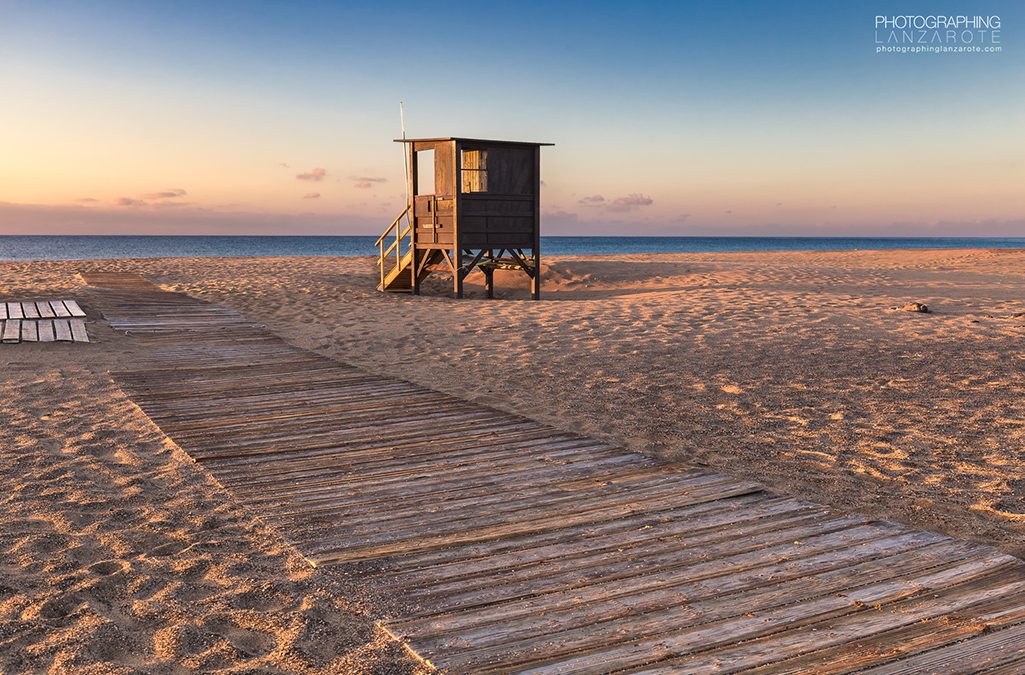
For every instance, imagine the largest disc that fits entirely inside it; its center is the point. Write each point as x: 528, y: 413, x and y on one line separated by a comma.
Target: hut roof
x: 482, y: 141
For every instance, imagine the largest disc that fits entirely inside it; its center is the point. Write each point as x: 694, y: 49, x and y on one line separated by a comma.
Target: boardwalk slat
x: 59, y: 310
x: 928, y: 635
x: 62, y: 330
x: 984, y: 651
x: 334, y: 551
x: 666, y: 646
x: 14, y: 310
x: 29, y: 331
x: 78, y: 332
x: 869, y: 619
x: 29, y: 311
x: 420, y: 569
x: 73, y: 309
x: 45, y: 329
x: 3, y: 311
x: 510, y: 545
x: 712, y: 598
x: 12, y: 331
x: 863, y: 543
x: 44, y: 309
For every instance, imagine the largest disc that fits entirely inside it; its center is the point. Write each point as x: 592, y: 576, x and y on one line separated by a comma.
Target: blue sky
x: 728, y: 117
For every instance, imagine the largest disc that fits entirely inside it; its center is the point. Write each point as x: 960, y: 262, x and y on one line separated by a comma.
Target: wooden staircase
x: 395, y: 261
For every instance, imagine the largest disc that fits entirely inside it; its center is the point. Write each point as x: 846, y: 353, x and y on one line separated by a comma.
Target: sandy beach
x: 788, y: 368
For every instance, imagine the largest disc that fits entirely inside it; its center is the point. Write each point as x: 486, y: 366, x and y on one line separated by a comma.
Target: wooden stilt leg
x: 415, y: 272
x: 489, y: 277
x: 457, y: 273
x: 535, y: 281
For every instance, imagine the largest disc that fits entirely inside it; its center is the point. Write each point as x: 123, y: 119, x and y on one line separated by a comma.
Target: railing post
x: 380, y: 260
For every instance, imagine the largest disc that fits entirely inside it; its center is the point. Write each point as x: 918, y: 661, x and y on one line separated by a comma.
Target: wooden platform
x: 42, y: 321
x: 512, y: 546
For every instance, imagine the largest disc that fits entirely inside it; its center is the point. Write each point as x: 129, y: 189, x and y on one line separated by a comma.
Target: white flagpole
x: 405, y: 154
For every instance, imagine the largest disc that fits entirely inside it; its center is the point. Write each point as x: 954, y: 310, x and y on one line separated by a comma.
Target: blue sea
x: 46, y: 247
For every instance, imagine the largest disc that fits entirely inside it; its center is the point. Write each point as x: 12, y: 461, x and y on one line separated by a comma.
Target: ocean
x: 47, y: 247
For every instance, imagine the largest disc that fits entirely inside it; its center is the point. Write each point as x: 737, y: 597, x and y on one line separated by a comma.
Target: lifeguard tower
x: 472, y: 203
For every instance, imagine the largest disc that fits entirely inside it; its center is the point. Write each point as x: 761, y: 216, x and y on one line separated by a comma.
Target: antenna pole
x: 405, y: 154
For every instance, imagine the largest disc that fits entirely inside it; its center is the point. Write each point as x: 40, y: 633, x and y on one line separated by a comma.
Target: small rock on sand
x: 913, y: 307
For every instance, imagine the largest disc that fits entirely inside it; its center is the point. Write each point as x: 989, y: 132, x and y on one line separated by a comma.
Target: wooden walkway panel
x: 33, y: 321
x: 510, y: 546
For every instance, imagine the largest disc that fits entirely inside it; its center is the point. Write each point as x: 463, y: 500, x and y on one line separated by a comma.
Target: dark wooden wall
x: 504, y: 216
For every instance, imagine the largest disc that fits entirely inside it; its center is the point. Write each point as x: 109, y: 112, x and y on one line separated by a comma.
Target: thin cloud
x: 634, y: 199
x: 173, y: 193
x: 311, y: 195
x: 592, y: 200
x: 87, y: 200
x: 630, y: 202
x: 367, y: 182
x: 128, y: 201
x: 316, y: 175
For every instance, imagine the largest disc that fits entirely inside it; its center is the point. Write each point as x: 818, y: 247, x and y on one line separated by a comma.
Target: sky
x: 668, y: 118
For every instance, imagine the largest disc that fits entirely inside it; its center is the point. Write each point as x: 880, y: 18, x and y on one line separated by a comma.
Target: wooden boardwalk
x: 42, y: 321
x: 512, y: 546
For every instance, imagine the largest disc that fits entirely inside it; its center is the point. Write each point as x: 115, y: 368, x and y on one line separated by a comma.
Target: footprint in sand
x: 60, y: 606
x: 106, y: 568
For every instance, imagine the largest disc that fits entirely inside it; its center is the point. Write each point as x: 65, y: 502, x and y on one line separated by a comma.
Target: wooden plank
x: 45, y: 330
x: 534, y: 548
x: 14, y: 310
x: 530, y: 508
x: 29, y: 311
x: 516, y: 466
x: 713, y: 598
x: 593, y: 627
x: 338, y: 551
x: 59, y: 310
x: 29, y: 331
x: 3, y: 311
x: 78, y: 332
x: 755, y: 624
x: 44, y: 310
x: 332, y: 494
x: 956, y: 593
x: 984, y: 652
x: 926, y: 636
x: 62, y: 330
x: 645, y: 553
x: 73, y: 309
x: 854, y: 544
x: 12, y: 331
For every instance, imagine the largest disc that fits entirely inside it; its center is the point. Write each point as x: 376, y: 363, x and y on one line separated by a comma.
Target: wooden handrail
x: 394, y: 243
x: 400, y: 234
x: 392, y: 226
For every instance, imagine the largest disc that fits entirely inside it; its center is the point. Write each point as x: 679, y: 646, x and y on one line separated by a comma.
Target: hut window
x: 475, y: 170
x: 425, y: 172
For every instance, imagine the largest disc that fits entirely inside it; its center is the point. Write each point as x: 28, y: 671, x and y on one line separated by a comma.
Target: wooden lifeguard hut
x: 472, y: 204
